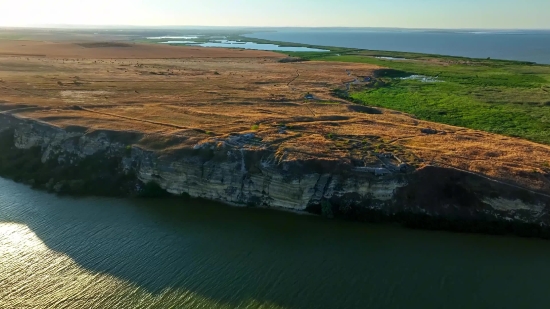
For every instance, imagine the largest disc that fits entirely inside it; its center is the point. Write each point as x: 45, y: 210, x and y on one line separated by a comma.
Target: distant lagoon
x: 532, y: 46
x: 179, y: 42
x: 251, y: 45
x: 186, y: 37
x: 244, y: 45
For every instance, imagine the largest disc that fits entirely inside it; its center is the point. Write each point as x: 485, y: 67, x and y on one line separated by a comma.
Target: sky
x: 477, y: 14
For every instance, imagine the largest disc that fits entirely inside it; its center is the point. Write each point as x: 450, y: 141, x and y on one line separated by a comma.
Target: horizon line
x: 121, y: 27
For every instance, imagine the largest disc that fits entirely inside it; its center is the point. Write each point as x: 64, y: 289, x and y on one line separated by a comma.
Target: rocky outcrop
x: 240, y: 170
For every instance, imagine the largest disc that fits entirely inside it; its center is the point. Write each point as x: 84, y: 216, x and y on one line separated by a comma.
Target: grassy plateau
x: 504, y: 97
x: 344, y: 106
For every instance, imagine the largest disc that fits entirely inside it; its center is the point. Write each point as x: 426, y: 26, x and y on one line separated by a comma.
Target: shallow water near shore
x: 60, y: 252
x: 242, y: 45
x: 257, y: 46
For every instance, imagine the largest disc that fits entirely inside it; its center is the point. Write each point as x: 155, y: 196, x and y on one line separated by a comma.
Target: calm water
x: 251, y: 45
x: 244, y: 45
x: 186, y: 37
x: 111, y: 253
x: 512, y: 45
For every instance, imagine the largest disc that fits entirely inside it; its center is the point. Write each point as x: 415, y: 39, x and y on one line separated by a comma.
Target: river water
x: 119, y: 253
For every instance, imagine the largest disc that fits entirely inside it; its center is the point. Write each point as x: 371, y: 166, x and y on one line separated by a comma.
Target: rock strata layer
x: 238, y: 170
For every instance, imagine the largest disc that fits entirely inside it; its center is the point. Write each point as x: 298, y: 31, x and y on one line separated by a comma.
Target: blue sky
x: 309, y: 13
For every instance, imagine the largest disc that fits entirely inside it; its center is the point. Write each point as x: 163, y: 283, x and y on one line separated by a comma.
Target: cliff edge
x: 240, y: 169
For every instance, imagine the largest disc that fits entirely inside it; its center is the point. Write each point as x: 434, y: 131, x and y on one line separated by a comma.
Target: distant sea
x: 533, y: 45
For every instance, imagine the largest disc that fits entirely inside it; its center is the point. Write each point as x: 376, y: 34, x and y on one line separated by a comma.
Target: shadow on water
x: 232, y: 255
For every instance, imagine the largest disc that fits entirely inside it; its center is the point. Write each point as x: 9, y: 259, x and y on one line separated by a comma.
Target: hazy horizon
x: 420, y: 14
x: 191, y: 27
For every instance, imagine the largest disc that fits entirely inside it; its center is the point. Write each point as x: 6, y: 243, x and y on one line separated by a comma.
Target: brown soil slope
x: 195, y: 94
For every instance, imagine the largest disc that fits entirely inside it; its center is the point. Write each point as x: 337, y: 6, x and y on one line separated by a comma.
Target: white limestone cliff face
x: 57, y: 142
x: 515, y: 209
x: 228, y: 180
x: 231, y: 181
x: 241, y: 171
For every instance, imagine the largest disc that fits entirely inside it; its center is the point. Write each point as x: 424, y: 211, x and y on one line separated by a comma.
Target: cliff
x: 240, y: 169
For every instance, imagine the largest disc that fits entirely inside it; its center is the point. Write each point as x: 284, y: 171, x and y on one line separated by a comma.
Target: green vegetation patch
x: 504, y: 97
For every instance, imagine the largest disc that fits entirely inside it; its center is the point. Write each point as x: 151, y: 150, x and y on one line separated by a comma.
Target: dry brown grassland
x: 196, y: 94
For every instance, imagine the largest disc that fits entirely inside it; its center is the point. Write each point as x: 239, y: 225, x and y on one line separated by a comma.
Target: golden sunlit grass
x: 197, y: 94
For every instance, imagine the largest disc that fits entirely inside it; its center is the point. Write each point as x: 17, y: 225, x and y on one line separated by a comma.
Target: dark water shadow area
x: 231, y: 255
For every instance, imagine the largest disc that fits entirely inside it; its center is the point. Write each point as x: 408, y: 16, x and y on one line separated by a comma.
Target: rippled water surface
x: 114, y: 253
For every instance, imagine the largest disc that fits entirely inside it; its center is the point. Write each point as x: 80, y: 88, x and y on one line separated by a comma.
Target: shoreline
x: 335, y: 50
x: 385, y: 52
x: 284, y: 133
x: 114, y: 171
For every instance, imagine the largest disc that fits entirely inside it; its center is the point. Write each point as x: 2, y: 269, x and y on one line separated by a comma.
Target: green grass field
x: 505, y: 97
